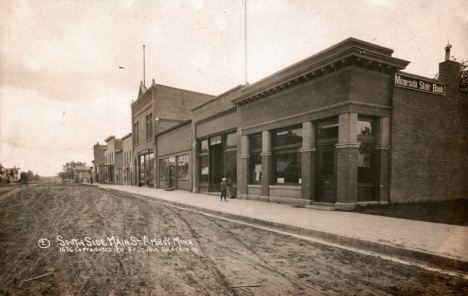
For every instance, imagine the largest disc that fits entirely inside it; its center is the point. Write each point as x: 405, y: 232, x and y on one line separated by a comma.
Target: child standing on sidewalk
x: 223, y: 189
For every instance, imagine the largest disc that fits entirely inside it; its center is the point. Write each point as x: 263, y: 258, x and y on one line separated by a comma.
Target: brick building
x: 174, y: 157
x: 342, y: 127
x: 157, y: 109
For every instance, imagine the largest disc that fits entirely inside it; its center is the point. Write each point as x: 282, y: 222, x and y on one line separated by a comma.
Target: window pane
x: 365, y: 128
x: 182, y: 167
x: 204, y: 146
x: 231, y: 167
x: 204, y: 169
x: 288, y: 166
x: 328, y: 131
x: 163, y: 169
x: 231, y: 141
x: 255, y: 167
x: 287, y: 137
x: 365, y: 162
x: 256, y: 142
x: 151, y: 168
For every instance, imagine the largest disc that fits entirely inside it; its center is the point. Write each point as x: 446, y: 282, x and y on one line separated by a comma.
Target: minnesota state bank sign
x: 418, y: 84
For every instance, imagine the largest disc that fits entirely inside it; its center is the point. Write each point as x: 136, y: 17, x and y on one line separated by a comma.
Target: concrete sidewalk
x: 442, y: 245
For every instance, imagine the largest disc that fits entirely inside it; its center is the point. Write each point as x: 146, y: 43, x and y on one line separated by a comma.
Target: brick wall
x: 429, y: 140
x: 175, y: 141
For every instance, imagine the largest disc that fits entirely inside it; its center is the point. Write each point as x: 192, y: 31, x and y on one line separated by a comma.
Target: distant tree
x: 37, y: 177
x: 24, y: 176
x: 68, y: 170
x: 30, y: 175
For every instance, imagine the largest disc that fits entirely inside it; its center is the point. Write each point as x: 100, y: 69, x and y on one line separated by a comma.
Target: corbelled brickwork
x: 429, y: 155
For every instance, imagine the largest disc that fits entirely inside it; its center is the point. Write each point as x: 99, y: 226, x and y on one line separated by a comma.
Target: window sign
x: 215, y: 140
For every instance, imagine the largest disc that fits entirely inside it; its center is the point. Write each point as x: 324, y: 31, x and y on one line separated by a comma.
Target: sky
x: 62, y: 89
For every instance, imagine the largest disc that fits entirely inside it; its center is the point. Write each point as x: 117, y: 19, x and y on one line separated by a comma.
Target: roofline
x: 173, y: 128
x: 382, y: 48
x: 126, y: 136
x: 162, y: 85
x: 240, y: 86
x: 360, y: 49
x: 109, y: 138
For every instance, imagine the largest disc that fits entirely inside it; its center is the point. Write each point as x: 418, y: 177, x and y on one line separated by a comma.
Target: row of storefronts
x: 341, y: 127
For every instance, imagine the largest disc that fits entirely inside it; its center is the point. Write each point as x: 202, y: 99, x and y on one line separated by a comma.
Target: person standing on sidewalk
x: 223, y: 189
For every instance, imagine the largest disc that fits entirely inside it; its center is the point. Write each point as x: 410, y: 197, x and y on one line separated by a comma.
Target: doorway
x: 217, y: 166
x: 326, y: 177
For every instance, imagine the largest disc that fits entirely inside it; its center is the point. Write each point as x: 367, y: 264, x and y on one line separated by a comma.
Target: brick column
x: 267, y: 174
x: 243, y: 169
x: 382, y: 149
x: 347, y: 151
x: 308, y: 161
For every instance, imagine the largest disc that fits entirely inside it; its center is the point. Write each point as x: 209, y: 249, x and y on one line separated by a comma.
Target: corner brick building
x: 343, y: 127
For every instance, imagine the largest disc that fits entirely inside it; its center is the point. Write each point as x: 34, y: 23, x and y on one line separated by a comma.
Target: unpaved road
x: 215, y: 258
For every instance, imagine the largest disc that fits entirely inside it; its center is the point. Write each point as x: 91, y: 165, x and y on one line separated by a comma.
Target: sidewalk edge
x: 390, y: 250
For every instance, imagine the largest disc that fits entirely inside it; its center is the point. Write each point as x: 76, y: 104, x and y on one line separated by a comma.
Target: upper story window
x: 149, y: 127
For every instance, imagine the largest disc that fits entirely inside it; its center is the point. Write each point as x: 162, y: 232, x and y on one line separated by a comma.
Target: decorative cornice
x: 317, y: 66
x: 216, y: 116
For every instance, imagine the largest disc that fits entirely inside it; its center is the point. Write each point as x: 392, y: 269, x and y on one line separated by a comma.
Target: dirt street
x: 110, y: 243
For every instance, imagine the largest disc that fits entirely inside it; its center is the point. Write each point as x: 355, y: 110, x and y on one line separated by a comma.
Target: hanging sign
x: 418, y: 84
x: 215, y: 140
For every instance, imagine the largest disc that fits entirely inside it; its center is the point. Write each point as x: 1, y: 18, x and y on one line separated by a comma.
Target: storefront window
x: 182, y: 167
x: 204, y: 146
x: 366, y: 138
x: 286, y: 155
x: 327, y: 131
x: 231, y: 166
x: 291, y: 136
x: 162, y: 169
x: 365, y: 159
x: 231, y: 141
x: 151, y: 169
x: 365, y: 128
x: 255, y: 159
x: 204, y: 169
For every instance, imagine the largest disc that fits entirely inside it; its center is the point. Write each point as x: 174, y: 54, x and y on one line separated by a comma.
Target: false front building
x: 157, y: 109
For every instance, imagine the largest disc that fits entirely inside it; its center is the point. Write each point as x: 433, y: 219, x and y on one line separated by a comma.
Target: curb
x: 389, y: 250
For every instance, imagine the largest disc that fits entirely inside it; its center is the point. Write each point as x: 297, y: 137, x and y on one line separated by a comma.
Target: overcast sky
x: 62, y: 91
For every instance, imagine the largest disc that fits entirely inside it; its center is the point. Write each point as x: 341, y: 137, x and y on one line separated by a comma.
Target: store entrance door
x: 217, y: 166
x: 326, y: 174
x: 171, y: 176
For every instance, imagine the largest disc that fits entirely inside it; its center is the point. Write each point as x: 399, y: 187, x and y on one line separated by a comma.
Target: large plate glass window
x: 182, y: 167
x: 230, y: 158
x: 366, y: 134
x: 204, y: 165
x: 286, y: 144
x: 255, y: 159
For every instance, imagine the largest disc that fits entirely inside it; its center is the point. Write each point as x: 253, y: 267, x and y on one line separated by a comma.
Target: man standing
x: 223, y: 189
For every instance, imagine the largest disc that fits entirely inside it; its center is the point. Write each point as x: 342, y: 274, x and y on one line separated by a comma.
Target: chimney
x: 447, y: 51
x: 449, y: 71
x: 153, y: 83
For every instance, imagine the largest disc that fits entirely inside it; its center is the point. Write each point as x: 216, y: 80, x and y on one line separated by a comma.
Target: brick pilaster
x: 347, y: 151
x: 267, y: 173
x: 308, y: 161
x: 243, y: 169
